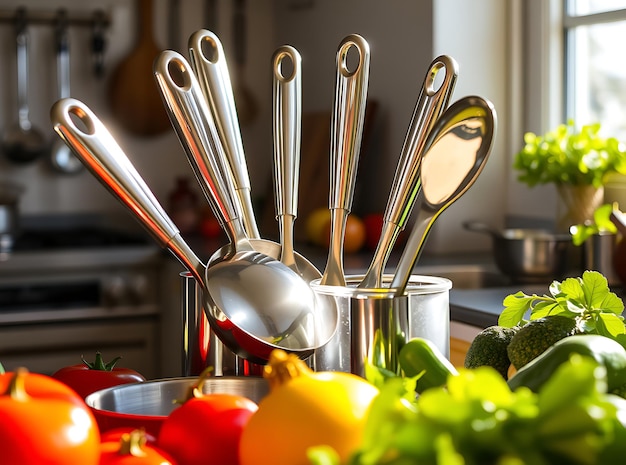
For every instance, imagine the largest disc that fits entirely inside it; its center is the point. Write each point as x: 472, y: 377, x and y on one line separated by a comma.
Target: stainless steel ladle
x: 253, y: 302
x: 457, y: 148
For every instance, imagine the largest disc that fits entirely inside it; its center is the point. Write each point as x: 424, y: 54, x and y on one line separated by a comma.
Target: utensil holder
x: 374, y: 323
x: 201, y: 347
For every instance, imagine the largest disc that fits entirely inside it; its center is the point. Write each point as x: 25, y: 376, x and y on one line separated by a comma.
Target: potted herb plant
x: 577, y: 162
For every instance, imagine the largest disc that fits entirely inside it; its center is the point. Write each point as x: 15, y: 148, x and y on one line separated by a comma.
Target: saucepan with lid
x: 527, y: 255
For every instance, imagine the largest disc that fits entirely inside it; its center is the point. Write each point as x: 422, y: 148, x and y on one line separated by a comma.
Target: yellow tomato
x: 317, y: 226
x: 305, y: 409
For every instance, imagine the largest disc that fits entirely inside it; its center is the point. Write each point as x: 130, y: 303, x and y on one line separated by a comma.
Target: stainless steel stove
x: 70, y: 288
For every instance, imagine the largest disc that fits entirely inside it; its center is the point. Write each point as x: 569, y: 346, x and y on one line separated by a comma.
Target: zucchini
x: 606, y: 351
x: 421, y: 356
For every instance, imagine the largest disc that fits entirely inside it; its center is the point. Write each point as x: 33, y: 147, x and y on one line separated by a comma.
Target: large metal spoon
x: 22, y: 142
x: 431, y: 102
x: 456, y: 151
x: 346, y: 133
x: 208, y: 61
x: 253, y: 302
x: 287, y: 114
x: 197, y: 132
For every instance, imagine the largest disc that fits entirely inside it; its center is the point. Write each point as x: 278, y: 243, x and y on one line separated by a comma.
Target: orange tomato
x: 44, y: 421
x: 355, y: 235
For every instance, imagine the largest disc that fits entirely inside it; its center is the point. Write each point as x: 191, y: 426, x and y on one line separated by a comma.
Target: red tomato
x: 210, y: 227
x: 44, y: 421
x: 89, y: 377
x: 132, y: 448
x: 373, y: 228
x: 206, y: 430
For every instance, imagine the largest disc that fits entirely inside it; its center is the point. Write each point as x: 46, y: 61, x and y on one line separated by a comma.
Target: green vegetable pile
x: 587, y: 299
x: 478, y: 420
x: 558, y: 409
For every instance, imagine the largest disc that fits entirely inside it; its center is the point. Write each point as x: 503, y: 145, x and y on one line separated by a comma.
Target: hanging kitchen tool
x: 346, y: 132
x: 287, y: 116
x: 134, y: 98
x: 61, y: 157
x: 455, y: 154
x: 247, y: 106
x: 22, y: 142
x: 197, y: 131
x: 432, y: 101
x: 208, y: 61
x: 98, y: 43
x: 261, y: 291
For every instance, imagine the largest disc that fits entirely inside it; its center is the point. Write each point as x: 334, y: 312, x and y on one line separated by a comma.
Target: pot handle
x: 477, y: 226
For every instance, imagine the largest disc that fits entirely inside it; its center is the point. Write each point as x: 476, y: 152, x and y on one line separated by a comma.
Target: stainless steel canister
x: 375, y: 322
x: 201, y: 347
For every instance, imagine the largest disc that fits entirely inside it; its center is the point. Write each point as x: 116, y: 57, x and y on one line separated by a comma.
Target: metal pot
x: 527, y: 255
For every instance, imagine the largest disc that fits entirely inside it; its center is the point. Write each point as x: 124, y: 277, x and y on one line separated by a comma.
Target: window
x: 595, y: 63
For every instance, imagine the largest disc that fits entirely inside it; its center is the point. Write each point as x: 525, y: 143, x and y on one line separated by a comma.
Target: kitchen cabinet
x: 461, y: 336
x: 46, y: 347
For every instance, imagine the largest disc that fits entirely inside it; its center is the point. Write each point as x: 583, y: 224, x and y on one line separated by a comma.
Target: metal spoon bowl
x: 253, y: 291
x: 456, y: 151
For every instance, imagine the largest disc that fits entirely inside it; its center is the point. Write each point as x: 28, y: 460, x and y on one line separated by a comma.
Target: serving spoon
x: 253, y: 302
x: 457, y: 149
x: 431, y: 102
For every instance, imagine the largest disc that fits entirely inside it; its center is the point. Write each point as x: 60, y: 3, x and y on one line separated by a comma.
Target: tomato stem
x: 99, y: 364
x: 17, y: 389
x: 133, y: 443
x: 282, y: 367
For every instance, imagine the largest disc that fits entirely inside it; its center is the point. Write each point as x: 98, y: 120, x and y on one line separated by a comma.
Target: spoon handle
x: 346, y: 133
x: 431, y: 102
x: 208, y: 61
x: 196, y: 129
x: 287, y: 116
x: 97, y: 149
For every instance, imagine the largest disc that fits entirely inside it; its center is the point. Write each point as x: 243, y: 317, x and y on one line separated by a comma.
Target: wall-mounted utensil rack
x: 51, y: 17
x: 98, y: 20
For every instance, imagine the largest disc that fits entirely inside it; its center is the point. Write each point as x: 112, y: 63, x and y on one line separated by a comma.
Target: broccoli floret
x: 536, y: 336
x: 489, y: 348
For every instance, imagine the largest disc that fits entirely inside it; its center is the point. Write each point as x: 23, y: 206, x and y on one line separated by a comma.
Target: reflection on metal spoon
x: 457, y: 149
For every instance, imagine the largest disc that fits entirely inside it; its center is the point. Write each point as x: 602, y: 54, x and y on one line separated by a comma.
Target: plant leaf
x: 610, y: 325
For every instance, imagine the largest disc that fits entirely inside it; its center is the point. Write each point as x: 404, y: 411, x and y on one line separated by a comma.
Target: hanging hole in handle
x: 81, y: 120
x: 351, y: 59
x: 436, y: 78
x: 209, y: 49
x: 284, y: 67
x: 179, y: 74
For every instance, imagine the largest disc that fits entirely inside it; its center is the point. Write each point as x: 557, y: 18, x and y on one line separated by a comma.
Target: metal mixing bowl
x: 146, y: 405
